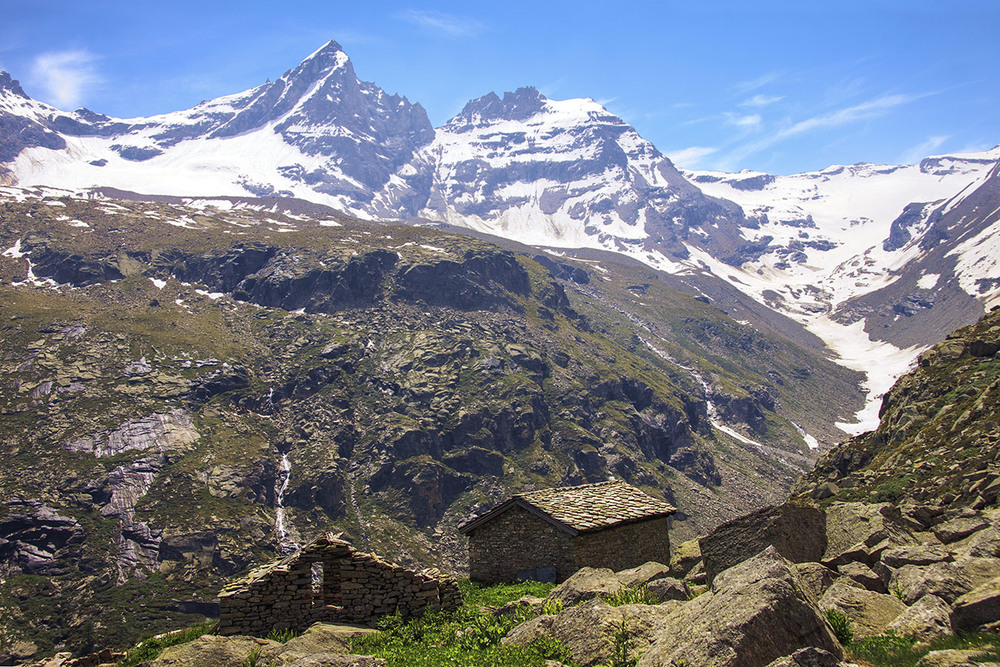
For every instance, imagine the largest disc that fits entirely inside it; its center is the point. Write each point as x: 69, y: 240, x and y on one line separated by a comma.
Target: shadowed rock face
x: 34, y: 538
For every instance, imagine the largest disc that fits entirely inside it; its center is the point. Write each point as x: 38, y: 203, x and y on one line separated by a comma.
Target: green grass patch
x: 497, y: 595
x: 469, y: 636
x: 630, y: 595
x: 150, y: 649
x: 892, y: 650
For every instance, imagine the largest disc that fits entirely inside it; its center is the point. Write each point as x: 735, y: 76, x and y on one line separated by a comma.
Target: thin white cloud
x: 762, y: 100
x: 917, y: 153
x: 853, y: 114
x: 64, y: 76
x: 439, y: 22
x: 833, y: 119
x: 745, y: 122
x: 691, y: 156
x: 753, y: 84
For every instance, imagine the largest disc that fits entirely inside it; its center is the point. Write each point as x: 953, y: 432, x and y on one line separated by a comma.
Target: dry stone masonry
x: 329, y: 581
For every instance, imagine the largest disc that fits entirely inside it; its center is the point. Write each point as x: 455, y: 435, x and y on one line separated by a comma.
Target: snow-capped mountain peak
x: 857, y: 253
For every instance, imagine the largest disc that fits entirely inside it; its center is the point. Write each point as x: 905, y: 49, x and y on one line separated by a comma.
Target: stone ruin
x: 329, y: 581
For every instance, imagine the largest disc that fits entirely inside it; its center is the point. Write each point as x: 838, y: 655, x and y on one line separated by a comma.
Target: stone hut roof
x: 582, y: 509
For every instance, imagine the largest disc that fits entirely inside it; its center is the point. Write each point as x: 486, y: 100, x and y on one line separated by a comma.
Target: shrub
x: 252, y: 659
x: 552, y: 607
x: 621, y: 646
x: 841, y: 625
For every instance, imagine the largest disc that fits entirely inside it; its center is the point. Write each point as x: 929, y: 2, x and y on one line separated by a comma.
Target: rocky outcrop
x: 796, y: 532
x: 34, y: 538
x: 166, y: 432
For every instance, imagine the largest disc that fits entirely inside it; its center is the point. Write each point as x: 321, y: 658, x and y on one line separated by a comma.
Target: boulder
x: 863, y: 575
x: 979, y: 570
x: 511, y: 609
x: 816, y: 577
x: 983, y: 544
x: 854, y: 529
x: 696, y: 576
x: 977, y: 608
x: 808, y: 657
x: 585, y: 584
x: 686, y: 555
x: 950, y: 658
x: 960, y: 528
x: 587, y: 629
x: 928, y: 618
x: 918, y: 554
x: 213, y: 651
x: 644, y: 574
x: 756, y: 612
x: 669, y: 589
x: 319, y: 638
x: 946, y: 580
x: 797, y: 532
x: 868, y: 611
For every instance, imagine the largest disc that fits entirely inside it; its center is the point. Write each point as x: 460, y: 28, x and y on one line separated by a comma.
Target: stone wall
x: 517, y: 542
x: 624, y: 546
x: 329, y: 581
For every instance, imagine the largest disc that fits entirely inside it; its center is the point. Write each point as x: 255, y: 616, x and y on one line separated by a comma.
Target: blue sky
x: 775, y: 86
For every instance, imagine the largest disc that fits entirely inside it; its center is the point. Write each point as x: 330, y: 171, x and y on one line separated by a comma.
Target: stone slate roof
x: 581, y: 509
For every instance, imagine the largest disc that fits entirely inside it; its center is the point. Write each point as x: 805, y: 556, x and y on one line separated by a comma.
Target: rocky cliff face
x: 187, y: 393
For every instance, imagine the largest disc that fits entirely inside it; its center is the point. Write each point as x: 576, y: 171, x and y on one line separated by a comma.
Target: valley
x: 302, y: 308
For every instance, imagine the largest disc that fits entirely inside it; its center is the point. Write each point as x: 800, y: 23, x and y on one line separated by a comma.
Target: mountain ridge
x: 818, y: 247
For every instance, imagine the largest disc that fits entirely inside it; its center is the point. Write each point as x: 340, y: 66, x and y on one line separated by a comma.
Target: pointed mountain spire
x: 9, y: 83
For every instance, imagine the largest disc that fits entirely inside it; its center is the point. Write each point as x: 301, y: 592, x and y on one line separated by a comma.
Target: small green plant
x: 282, y: 636
x: 621, y: 646
x: 552, y: 607
x: 630, y: 595
x: 841, y: 625
x: 897, y: 590
x: 252, y: 659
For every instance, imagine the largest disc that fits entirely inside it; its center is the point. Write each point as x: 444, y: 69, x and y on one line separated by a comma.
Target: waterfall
x: 285, y: 544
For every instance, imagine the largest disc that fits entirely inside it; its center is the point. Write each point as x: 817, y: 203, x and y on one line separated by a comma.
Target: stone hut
x: 328, y: 580
x: 548, y: 535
